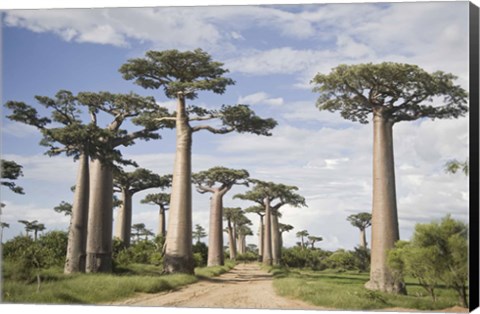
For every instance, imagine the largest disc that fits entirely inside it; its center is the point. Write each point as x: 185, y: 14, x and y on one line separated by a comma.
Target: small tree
x: 129, y: 183
x: 11, y: 171
x: 199, y: 233
x: 162, y: 200
x: 313, y: 239
x: 391, y: 93
x: 217, y: 181
x: 302, y: 234
x: 362, y: 221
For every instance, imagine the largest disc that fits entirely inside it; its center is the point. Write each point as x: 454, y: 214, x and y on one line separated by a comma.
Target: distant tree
x: 33, y: 226
x: 128, y: 184
x: 283, y: 228
x: 64, y: 207
x: 10, y: 171
x: 182, y: 75
x: 162, y: 200
x: 230, y: 214
x: 313, y: 239
x: 3, y: 225
x: 217, y: 181
x: 362, y: 221
x: 138, y: 230
x: 199, y: 233
x: 302, y: 234
x: 391, y: 93
x: 241, y: 230
x: 453, y: 166
x: 272, y: 196
x: 260, y: 211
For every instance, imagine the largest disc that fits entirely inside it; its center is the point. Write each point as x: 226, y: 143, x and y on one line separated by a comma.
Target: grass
x: 57, y: 288
x: 345, y: 291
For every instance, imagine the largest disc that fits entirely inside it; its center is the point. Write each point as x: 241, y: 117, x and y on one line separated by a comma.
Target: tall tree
x: 272, y: 196
x: 391, y: 93
x: 162, y: 200
x: 230, y: 214
x: 127, y: 184
x: 302, y: 234
x: 241, y: 230
x: 11, y: 171
x: 260, y: 211
x: 217, y: 181
x: 182, y: 75
x: 284, y: 228
x: 199, y: 233
x: 362, y: 221
x: 142, y: 111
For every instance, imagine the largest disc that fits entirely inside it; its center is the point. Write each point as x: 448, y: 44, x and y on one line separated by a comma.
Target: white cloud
x: 260, y: 98
x: 19, y: 130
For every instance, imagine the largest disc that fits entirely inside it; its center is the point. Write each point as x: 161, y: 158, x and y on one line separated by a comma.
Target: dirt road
x: 245, y: 286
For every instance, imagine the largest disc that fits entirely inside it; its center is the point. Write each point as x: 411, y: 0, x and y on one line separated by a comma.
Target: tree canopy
x: 138, y: 180
x: 11, y: 171
x: 360, y: 220
x: 402, y: 92
x: 219, y: 178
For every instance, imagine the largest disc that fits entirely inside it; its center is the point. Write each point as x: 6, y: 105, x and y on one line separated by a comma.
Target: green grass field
x: 57, y: 288
x: 345, y: 291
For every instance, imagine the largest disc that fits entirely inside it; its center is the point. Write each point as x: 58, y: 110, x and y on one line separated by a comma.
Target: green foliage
x: 64, y: 207
x: 341, y: 260
x: 362, y: 258
x: 140, y: 252
x: 11, y: 171
x: 249, y: 256
x: 175, y: 71
x: 138, y: 180
x: 200, y: 254
x: 360, y: 220
x: 301, y: 258
x: 397, y: 91
x: 438, y: 252
x: 225, y: 177
x: 453, y: 166
x: 242, y: 119
x: 199, y: 233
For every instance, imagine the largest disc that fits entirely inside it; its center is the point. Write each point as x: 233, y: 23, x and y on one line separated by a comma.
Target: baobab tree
x: 313, y: 239
x: 127, y: 184
x: 162, y: 200
x: 242, y: 232
x: 182, y: 75
x: 230, y: 214
x: 391, y: 93
x: 11, y: 171
x: 217, y: 181
x: 265, y: 194
x: 302, y: 234
x: 120, y: 107
x: 260, y: 211
x: 362, y: 221
x: 283, y: 228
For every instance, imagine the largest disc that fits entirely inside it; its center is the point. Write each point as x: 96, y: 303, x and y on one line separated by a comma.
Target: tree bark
x: 385, y: 230
x: 363, y: 239
x: 161, y: 223
x: 77, y: 232
x: 123, y: 227
x: 178, y: 252
x: 261, y: 239
x: 231, y: 241
x: 275, y: 240
x: 267, y: 241
x: 100, y: 218
x: 215, y: 233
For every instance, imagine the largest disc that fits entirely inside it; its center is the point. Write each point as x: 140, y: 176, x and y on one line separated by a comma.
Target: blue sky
x: 272, y: 53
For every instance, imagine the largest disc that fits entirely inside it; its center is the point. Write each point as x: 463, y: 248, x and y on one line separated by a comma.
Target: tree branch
x: 212, y: 129
x: 166, y: 118
x: 202, y: 118
x: 205, y: 189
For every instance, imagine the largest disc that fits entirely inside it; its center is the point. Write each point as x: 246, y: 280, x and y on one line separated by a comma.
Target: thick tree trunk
x: 161, y: 223
x: 100, y: 218
x: 77, y: 232
x: 267, y: 241
x: 260, y: 239
x: 239, y: 244
x: 384, y: 210
x: 231, y: 241
x: 215, y: 233
x: 178, y: 245
x: 363, y: 239
x: 123, y: 227
x: 275, y: 240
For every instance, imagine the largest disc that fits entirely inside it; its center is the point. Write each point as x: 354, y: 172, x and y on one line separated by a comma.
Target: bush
x: 302, y: 258
x: 341, y: 260
x: 140, y: 252
x: 249, y: 256
x: 200, y: 254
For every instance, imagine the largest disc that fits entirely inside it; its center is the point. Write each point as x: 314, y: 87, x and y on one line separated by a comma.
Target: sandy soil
x: 245, y: 286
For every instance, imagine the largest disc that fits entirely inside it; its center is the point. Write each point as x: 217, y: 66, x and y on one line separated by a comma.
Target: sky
x: 272, y: 53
